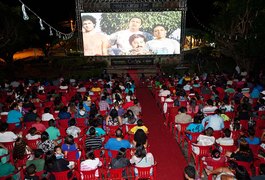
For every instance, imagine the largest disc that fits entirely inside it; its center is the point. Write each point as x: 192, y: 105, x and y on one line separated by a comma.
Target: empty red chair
x: 244, y: 124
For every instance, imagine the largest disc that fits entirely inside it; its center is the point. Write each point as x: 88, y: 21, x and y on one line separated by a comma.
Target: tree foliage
x: 242, y: 23
x: 112, y: 22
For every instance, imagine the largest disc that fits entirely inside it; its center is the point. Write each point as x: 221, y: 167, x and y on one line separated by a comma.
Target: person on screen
x: 138, y: 43
x: 95, y: 43
x: 161, y: 44
x: 120, y: 39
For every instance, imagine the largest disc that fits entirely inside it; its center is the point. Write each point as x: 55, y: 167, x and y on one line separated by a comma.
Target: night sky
x: 60, y: 10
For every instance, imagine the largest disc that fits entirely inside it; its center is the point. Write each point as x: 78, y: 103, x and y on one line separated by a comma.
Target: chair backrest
x: 146, y: 172
x: 81, y: 122
x: 204, y: 150
x: 255, y: 149
x: 115, y: 174
x: 61, y: 175
x: 244, y: 124
x: 33, y: 144
x: 9, y: 145
x: 247, y: 165
x: 217, y: 134
x: 225, y: 149
x: 91, y: 174
x: 71, y: 155
x: 63, y: 123
x: 110, y: 130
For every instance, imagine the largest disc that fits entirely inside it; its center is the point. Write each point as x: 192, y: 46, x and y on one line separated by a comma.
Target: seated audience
x: 21, y: 150
x: 6, y: 167
x: 113, y: 118
x: 252, y: 140
x: 206, y: 139
x: 69, y: 145
x: 31, y: 172
x: 39, y: 126
x: 141, y: 158
x: 73, y: 129
x: 46, y: 145
x: 243, y: 153
x: 215, y: 158
x: 91, y: 162
x: 46, y: 116
x: 93, y: 141
x: 189, y: 173
x: 214, y: 121
x: 64, y: 114
x: 54, y: 133
x: 33, y: 134
x: 140, y: 125
x: 38, y: 160
x: 261, y: 174
x: 182, y: 117
x: 140, y: 138
x: 226, y: 140
x: 5, y: 135
x: 120, y: 161
x: 118, y: 142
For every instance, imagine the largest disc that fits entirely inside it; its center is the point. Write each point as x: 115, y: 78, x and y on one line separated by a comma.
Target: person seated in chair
x: 204, y: 140
x: 243, y: 153
x: 118, y: 142
x: 252, y: 140
x: 140, y: 125
x: 226, y: 140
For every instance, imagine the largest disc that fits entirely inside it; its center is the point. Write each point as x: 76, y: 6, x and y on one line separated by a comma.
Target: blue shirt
x: 13, y: 116
x: 214, y: 121
x: 254, y: 141
x: 195, y: 127
x: 114, y: 144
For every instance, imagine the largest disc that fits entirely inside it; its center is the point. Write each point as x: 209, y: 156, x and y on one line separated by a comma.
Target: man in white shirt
x: 6, y: 136
x: 46, y: 116
x: 227, y: 140
x: 204, y: 140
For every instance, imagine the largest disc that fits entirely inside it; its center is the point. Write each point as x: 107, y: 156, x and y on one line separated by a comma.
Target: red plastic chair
x: 244, y: 124
x: 217, y: 134
x: 144, y: 172
x: 225, y: 149
x: 33, y: 144
x: 181, y: 131
x: 172, y: 112
x: 110, y: 130
x: 9, y: 145
x: 194, y: 136
x: 255, y: 149
x: 247, y: 165
x: 61, y: 175
x: 81, y: 122
x: 231, y: 115
x: 71, y: 155
x: 91, y: 174
x: 115, y: 174
x: 204, y: 152
x: 63, y: 123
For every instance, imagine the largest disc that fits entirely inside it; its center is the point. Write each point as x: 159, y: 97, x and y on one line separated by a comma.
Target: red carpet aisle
x: 167, y: 153
x: 134, y: 76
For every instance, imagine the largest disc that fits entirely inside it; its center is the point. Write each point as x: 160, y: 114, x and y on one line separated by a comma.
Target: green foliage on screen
x: 113, y: 22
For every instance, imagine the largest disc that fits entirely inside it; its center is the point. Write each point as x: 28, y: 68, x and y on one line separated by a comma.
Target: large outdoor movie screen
x: 131, y: 33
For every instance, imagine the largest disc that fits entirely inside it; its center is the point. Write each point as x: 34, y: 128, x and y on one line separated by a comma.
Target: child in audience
x: 213, y: 159
x: 33, y: 134
x: 58, y: 152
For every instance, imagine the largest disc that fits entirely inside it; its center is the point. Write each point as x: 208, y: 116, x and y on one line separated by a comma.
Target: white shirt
x: 205, y: 140
x: 164, y: 46
x: 225, y: 141
x: 73, y: 130
x: 30, y: 137
x: 90, y: 164
x: 7, y: 136
x: 47, y: 116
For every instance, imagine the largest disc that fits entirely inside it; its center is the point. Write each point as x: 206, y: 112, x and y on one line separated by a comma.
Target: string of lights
x: 43, y: 23
x: 223, y: 35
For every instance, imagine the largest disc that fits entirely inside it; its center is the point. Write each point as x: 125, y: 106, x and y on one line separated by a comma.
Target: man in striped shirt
x: 93, y: 141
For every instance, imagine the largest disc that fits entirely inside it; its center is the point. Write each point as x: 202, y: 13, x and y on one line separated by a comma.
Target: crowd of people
x: 221, y: 117
x: 71, y: 126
